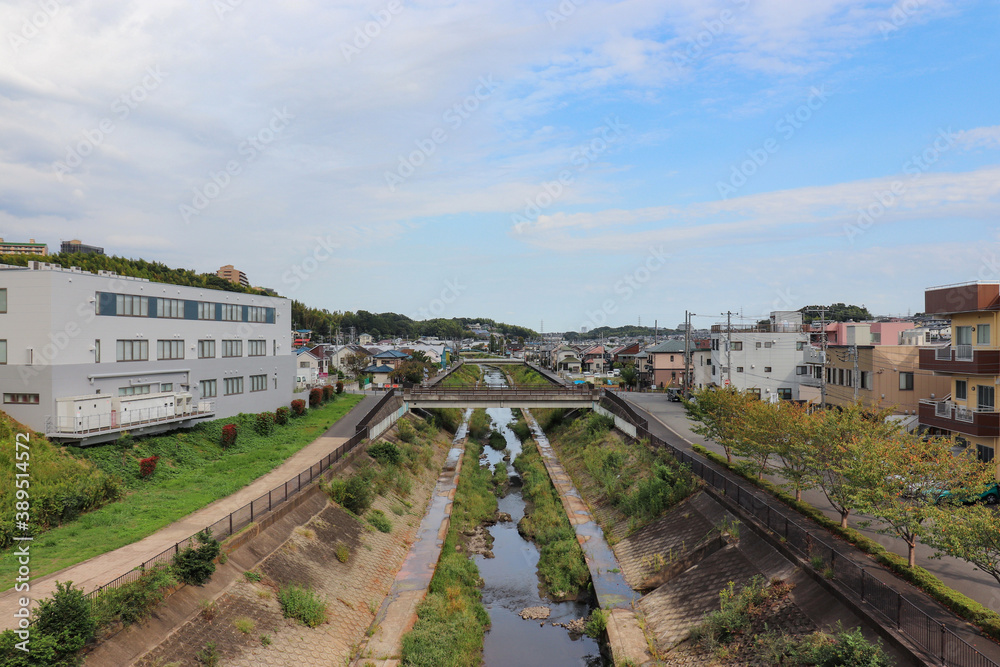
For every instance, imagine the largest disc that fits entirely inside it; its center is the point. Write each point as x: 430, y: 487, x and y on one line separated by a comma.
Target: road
x: 955, y: 573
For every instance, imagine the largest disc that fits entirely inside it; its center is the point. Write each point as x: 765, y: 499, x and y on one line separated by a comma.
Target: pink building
x: 863, y: 333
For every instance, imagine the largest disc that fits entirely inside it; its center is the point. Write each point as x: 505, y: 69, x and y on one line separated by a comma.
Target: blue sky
x: 577, y: 161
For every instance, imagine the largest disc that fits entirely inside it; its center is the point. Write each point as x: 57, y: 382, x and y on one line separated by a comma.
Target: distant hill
x: 627, y: 331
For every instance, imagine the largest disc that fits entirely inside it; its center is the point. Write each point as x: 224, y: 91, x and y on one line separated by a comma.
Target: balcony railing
x: 114, y: 421
x: 961, y: 359
x: 963, y: 353
x: 946, y: 415
x: 943, y: 353
x: 943, y: 409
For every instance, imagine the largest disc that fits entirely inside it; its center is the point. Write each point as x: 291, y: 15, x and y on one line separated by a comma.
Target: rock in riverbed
x: 534, y: 613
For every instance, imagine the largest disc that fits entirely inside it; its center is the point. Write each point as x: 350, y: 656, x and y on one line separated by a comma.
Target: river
x: 512, y: 584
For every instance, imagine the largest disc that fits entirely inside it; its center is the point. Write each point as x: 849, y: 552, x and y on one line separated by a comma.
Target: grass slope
x: 192, y: 472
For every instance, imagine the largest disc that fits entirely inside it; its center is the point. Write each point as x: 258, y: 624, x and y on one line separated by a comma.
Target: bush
x: 406, y: 431
x: 497, y: 441
x: 229, y: 433
x: 342, y: 552
x: 354, y: 494
x: 385, y: 452
x: 195, y: 565
x: 134, y: 601
x: 298, y: 407
x: 264, y: 423
x: 378, y: 519
x: 315, y: 398
x: 302, y: 604
x: 340, y: 386
x: 598, y: 424
x: 281, y: 416
x: 148, y: 466
x: 66, y: 617
x: 45, y: 650
x: 328, y: 393
x: 596, y: 624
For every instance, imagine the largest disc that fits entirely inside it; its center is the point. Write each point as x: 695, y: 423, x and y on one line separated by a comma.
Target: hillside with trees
x: 836, y: 312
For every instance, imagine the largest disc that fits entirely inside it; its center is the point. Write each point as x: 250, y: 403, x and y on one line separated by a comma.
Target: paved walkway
x: 107, y: 567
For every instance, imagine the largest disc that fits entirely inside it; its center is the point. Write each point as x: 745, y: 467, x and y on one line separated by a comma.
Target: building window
x: 231, y: 312
x: 801, y: 370
x: 132, y: 306
x: 3, y: 351
x: 232, y: 348
x: 961, y: 390
x: 876, y: 339
x: 984, y: 453
x: 233, y: 386
x: 963, y: 335
x: 785, y: 393
x: 800, y: 345
x: 258, y: 383
x: 840, y: 376
x: 256, y: 348
x: 985, y: 398
x: 739, y: 369
x: 20, y: 399
x: 169, y: 349
x: 758, y: 345
x: 256, y: 314
x: 134, y: 390
x: 906, y: 381
x: 768, y: 345
x: 208, y: 388
x: 206, y: 349
x: 755, y: 391
x: 767, y: 369
x: 737, y: 346
x: 983, y: 334
x: 166, y: 386
x: 133, y: 350
x: 170, y: 308
x: 3, y: 299
x: 97, y: 350
x: 206, y: 311
x: 866, y: 380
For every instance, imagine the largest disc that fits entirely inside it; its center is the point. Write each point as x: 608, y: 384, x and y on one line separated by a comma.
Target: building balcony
x: 961, y: 360
x: 948, y: 416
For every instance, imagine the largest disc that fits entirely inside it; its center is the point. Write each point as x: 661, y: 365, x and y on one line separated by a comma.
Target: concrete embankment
x: 316, y: 545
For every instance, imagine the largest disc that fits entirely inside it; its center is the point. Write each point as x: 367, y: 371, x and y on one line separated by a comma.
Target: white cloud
x: 980, y: 137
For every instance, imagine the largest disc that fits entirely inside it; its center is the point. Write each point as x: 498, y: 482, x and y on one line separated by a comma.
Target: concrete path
x: 107, y: 567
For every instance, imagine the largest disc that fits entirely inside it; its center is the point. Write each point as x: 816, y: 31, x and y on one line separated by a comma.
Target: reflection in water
x: 511, y: 581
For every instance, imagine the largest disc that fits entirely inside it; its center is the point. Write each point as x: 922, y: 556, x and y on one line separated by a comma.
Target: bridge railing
x: 471, y: 392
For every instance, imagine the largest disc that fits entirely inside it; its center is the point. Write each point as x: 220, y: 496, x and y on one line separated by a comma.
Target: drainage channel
x: 511, y: 581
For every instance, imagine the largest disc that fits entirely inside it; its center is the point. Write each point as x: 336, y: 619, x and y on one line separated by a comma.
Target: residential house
x: 764, y: 358
x: 365, y: 340
x: 667, y: 364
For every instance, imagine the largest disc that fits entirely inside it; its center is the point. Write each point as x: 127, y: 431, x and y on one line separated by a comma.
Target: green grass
x: 303, y: 605
x: 522, y: 376
x: 466, y: 374
x: 479, y: 425
x: 561, y: 564
x: 193, y: 471
x: 639, y: 482
x: 451, y: 621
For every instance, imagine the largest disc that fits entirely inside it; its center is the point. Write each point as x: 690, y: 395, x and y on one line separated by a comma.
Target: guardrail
x: 239, y: 519
x: 927, y: 633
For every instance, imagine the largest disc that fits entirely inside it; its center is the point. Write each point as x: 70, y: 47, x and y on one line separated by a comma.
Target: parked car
x: 991, y: 496
x: 675, y: 394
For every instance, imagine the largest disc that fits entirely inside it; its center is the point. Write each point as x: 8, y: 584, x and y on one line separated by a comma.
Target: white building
x: 768, y: 359
x: 84, y: 357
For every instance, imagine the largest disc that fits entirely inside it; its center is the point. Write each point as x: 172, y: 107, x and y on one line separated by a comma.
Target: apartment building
x: 970, y: 364
x: 233, y: 275
x: 86, y: 356
x: 765, y: 358
x: 21, y: 248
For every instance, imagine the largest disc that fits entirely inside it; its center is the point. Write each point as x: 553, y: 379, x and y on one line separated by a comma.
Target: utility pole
x: 687, y: 353
x: 823, y: 346
x: 854, y: 353
x: 729, y: 347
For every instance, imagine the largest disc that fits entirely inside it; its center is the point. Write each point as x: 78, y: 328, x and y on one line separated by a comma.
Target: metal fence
x: 896, y: 610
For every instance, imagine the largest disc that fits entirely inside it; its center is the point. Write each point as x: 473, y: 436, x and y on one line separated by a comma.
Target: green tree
x: 356, y: 363
x: 793, y: 445
x: 971, y: 533
x: 720, y: 414
x: 630, y: 376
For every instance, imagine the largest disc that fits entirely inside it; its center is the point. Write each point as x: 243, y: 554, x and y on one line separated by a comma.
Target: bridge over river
x: 496, y: 397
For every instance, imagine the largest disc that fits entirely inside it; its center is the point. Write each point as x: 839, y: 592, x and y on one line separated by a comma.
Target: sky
x: 558, y: 164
